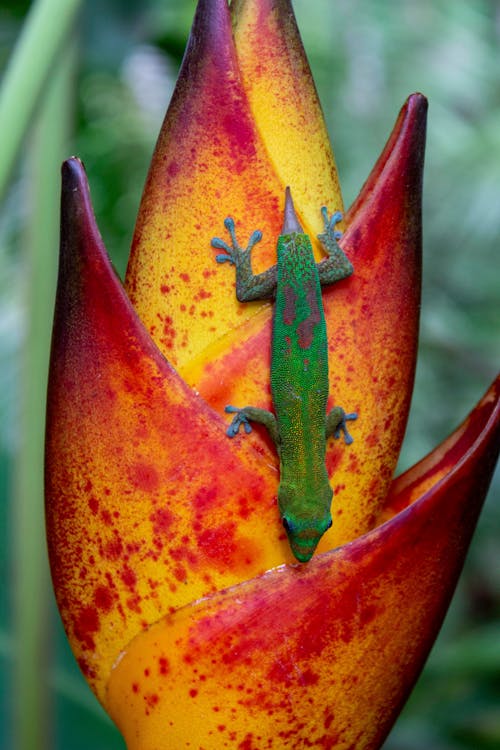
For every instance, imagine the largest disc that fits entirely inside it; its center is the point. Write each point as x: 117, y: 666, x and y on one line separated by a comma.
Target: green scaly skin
x: 300, y: 426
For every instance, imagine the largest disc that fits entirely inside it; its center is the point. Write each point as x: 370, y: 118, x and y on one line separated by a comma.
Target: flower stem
x: 33, y: 596
x: 40, y: 42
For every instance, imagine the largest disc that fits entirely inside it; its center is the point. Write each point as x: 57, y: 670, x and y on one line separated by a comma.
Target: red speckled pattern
x: 310, y: 656
x: 170, y: 566
x: 209, y: 163
x: 149, y: 505
x: 214, y: 159
x: 372, y: 320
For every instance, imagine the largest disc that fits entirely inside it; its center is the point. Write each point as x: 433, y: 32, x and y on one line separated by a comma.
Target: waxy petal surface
x: 372, y: 321
x: 187, y: 302
x: 208, y: 160
x: 285, y: 106
x: 211, y: 162
x: 149, y: 505
x: 310, y: 656
x: 375, y: 314
x: 453, y: 456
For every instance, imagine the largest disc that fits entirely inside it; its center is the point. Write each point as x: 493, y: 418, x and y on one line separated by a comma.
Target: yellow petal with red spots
x: 454, y: 457
x: 285, y: 106
x: 374, y: 319
x: 210, y: 162
x: 318, y: 656
x: 149, y: 504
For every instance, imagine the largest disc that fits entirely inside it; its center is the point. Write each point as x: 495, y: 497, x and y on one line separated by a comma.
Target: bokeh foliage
x: 366, y: 58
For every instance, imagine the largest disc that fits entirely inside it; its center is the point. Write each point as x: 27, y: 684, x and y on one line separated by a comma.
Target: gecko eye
x: 329, y: 525
x: 287, y: 525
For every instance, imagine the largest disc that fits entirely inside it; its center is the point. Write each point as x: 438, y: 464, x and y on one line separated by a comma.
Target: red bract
x: 173, y: 575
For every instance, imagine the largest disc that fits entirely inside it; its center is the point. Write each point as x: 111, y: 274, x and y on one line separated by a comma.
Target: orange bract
x: 310, y: 654
x: 139, y: 520
x: 171, y: 569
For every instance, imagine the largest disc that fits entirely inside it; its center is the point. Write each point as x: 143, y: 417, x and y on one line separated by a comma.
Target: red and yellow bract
x: 172, y: 572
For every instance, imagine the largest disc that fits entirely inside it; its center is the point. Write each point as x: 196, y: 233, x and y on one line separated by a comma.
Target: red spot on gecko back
x: 289, y: 311
x: 305, y: 329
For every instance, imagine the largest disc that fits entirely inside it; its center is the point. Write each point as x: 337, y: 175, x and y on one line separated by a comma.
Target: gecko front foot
x: 336, y: 266
x: 336, y: 424
x: 233, y: 253
x: 249, y: 286
x: 240, y: 418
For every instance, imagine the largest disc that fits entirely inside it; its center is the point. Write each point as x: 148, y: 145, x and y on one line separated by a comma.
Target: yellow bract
x: 216, y: 158
x: 285, y: 107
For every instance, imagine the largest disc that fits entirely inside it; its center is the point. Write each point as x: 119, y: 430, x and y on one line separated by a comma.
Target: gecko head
x: 305, y: 526
x: 304, y: 534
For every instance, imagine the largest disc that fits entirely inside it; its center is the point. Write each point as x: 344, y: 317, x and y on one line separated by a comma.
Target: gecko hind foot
x: 342, y: 428
x: 239, y: 419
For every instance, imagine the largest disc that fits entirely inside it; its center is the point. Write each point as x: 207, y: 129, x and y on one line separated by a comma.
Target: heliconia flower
x: 183, y: 603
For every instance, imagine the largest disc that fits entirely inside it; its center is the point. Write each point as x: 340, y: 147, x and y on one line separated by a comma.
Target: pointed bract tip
x: 290, y: 221
x: 211, y: 30
x: 72, y: 171
x: 418, y: 100
x: 415, y: 109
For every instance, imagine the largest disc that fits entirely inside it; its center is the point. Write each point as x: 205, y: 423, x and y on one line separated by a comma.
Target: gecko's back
x: 299, y: 383
x: 299, y: 426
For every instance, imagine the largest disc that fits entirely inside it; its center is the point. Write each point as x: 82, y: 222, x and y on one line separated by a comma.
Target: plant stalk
x: 40, y: 44
x: 47, y: 148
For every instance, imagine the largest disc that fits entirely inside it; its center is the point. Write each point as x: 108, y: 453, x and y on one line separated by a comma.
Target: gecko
x: 300, y: 425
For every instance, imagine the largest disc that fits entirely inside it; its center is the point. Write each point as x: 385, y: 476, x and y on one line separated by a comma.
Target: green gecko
x: 300, y: 426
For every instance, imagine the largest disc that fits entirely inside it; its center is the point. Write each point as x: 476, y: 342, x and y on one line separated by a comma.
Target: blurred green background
x: 105, y: 100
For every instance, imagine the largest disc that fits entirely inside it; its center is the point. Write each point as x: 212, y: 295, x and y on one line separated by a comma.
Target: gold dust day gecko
x: 300, y: 425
